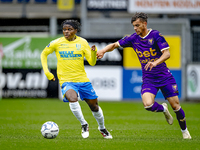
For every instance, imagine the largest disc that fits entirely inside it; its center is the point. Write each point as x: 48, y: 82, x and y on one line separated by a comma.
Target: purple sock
x: 180, y: 115
x: 155, y: 108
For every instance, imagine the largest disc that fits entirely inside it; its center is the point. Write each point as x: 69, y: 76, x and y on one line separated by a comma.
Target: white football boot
x: 186, y: 134
x: 167, y: 114
x: 105, y: 133
x: 85, y: 131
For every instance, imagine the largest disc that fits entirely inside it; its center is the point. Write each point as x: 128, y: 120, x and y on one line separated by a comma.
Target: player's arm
x: 108, y: 48
x: 165, y: 55
x: 90, y: 55
x: 43, y: 57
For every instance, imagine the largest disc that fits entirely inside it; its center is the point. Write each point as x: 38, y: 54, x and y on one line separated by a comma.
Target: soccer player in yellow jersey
x: 70, y: 51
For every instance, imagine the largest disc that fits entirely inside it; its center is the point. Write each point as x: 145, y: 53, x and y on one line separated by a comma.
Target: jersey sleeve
x: 47, y: 50
x: 161, y: 42
x: 90, y: 55
x: 125, y: 42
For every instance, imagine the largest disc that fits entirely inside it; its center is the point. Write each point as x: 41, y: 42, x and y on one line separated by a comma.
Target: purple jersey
x: 148, y: 49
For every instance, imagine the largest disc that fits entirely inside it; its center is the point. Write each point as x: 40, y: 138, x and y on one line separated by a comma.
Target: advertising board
x: 114, y: 5
x: 107, y: 81
x: 24, y: 52
x: 165, y: 6
x: 23, y: 76
x: 132, y: 81
x: 193, y: 81
x: 27, y: 83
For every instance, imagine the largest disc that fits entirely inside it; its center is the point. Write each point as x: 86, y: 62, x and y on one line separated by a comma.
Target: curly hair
x: 142, y: 16
x: 74, y: 23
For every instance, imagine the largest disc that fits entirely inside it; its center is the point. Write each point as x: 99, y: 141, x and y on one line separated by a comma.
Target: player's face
x: 140, y: 27
x: 69, y: 32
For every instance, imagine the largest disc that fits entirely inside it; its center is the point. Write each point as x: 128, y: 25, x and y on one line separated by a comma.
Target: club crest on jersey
x: 78, y: 46
x: 150, y: 41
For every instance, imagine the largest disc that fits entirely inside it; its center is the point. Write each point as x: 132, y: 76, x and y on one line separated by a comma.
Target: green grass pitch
x: 130, y: 124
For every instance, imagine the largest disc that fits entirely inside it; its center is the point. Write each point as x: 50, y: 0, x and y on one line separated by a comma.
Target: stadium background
x: 27, y: 26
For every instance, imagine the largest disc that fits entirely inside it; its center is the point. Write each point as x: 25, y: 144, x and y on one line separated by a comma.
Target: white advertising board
x: 193, y: 81
x: 106, y: 81
x: 165, y: 6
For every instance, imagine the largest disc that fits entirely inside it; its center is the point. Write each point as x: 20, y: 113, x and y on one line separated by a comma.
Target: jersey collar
x: 147, y: 33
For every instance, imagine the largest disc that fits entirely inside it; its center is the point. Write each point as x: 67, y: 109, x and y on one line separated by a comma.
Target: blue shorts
x: 84, y: 89
x: 168, y: 90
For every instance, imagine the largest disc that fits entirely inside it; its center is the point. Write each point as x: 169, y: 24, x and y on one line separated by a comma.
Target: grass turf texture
x: 130, y: 124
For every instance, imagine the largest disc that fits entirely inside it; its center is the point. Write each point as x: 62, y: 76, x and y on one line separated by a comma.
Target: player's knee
x: 149, y: 107
x: 71, y: 95
x: 94, y: 107
x: 72, y: 99
x: 176, y: 107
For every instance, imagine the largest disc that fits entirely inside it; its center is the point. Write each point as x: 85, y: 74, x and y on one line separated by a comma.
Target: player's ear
x: 76, y: 31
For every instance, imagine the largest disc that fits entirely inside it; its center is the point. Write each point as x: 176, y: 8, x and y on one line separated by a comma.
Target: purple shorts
x: 168, y: 90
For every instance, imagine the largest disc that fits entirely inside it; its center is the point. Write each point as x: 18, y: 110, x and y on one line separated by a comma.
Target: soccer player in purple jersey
x: 152, y: 51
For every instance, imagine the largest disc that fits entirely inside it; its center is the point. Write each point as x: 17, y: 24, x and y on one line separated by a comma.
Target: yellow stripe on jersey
x: 70, y: 59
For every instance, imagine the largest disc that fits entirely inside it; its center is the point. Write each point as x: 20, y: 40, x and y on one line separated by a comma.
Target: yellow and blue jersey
x: 70, y: 59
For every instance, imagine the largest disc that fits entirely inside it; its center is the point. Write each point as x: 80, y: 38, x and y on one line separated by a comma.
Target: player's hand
x: 53, y: 79
x: 100, y: 54
x: 93, y: 48
x: 150, y: 65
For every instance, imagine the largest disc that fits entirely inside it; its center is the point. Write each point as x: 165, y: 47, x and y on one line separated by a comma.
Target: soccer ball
x: 50, y: 130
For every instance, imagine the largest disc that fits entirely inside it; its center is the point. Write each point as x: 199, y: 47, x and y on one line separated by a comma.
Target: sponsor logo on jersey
x: 64, y: 44
x: 69, y: 54
x: 146, y: 55
x: 165, y: 43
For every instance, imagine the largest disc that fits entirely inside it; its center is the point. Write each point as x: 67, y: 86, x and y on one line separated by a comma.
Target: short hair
x: 74, y: 23
x: 142, y: 16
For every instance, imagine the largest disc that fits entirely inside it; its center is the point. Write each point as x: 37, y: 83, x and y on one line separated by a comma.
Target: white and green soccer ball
x: 50, y: 130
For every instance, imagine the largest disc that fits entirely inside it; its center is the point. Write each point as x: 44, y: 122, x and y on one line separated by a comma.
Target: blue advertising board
x: 132, y: 81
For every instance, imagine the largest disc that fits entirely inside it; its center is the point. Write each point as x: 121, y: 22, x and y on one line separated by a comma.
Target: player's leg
x: 96, y: 111
x: 170, y: 93
x: 87, y: 93
x: 70, y: 94
x: 74, y: 105
x: 148, y: 98
x: 148, y: 93
x: 98, y: 115
x: 150, y: 104
x: 180, y: 115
